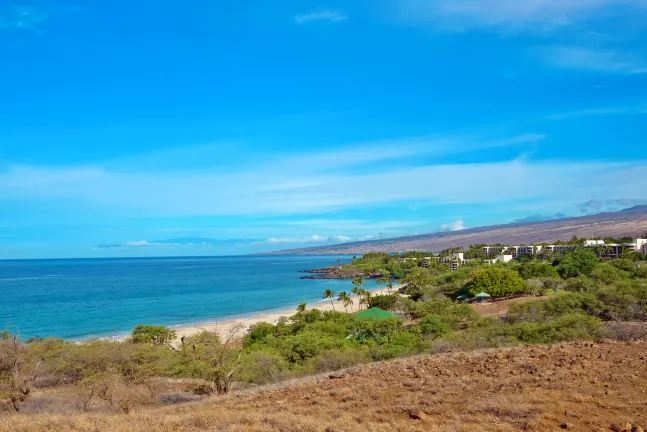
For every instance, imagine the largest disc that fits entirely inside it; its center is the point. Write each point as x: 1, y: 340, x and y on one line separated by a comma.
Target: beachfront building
x: 517, y: 251
x: 493, y: 250
x: 615, y: 250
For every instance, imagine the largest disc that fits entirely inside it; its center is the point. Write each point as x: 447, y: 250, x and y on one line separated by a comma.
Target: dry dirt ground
x: 598, y: 386
x: 500, y: 308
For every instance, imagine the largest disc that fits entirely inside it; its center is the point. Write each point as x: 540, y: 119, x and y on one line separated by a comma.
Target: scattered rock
x: 637, y: 429
x: 336, y: 375
x: 417, y: 415
x: 566, y: 426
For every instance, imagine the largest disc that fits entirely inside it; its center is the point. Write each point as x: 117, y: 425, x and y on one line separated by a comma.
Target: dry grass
x: 501, y: 308
x: 578, y: 386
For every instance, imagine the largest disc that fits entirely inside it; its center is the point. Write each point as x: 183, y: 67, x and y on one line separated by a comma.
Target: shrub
x: 580, y: 284
x: 607, y: 274
x: 261, y: 367
x: 336, y: 359
x: 433, y: 325
x: 179, y: 398
x: 152, y: 334
x: 258, y: 333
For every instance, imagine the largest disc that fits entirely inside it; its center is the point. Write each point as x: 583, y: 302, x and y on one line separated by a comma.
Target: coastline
x: 239, y: 326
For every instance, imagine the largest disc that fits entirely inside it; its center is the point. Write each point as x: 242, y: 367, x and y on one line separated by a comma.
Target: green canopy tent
x: 375, y: 314
x: 482, y: 297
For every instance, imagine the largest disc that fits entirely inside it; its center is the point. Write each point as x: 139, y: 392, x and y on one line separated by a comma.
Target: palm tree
x: 301, y: 308
x: 365, y: 297
x: 383, y: 279
x: 389, y: 287
x: 330, y: 295
x: 347, y: 301
x: 359, y: 281
x: 357, y: 291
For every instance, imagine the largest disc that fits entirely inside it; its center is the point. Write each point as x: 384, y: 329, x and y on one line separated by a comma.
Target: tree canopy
x: 495, y: 280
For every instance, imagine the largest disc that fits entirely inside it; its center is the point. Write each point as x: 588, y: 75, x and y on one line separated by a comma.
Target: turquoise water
x: 76, y: 299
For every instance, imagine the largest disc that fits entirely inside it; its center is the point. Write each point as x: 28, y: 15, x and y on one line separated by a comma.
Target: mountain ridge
x: 628, y: 222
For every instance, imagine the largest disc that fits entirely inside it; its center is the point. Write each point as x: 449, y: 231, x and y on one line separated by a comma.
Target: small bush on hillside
x: 152, y: 334
x: 434, y: 326
x: 580, y: 284
x: 606, y: 273
x: 336, y: 359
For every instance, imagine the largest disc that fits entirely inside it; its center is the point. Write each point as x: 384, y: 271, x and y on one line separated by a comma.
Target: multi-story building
x: 492, y: 250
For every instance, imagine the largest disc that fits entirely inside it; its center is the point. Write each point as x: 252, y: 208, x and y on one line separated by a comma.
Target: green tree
x: 579, y: 262
x: 213, y: 358
x: 346, y: 300
x: 383, y: 280
x: 357, y: 291
x: 536, y: 269
x: 301, y: 308
x: 152, y: 334
x: 358, y: 281
x: 330, y: 295
x: 495, y: 280
x: 386, y: 302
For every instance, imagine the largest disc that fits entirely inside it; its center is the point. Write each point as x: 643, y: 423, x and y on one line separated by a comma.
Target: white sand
x: 238, y: 327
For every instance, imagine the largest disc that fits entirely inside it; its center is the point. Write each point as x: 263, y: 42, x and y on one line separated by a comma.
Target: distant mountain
x: 628, y: 222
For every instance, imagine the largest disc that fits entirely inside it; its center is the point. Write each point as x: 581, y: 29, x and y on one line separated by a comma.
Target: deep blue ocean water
x: 77, y: 299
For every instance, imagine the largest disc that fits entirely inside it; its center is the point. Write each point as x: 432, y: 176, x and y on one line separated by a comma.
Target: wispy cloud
x: 511, y: 15
x: 23, y: 17
x: 593, y: 59
x: 261, y: 190
x: 187, y: 241
x: 596, y: 112
x: 328, y: 15
x: 538, y: 217
x: 315, y: 239
x: 609, y: 205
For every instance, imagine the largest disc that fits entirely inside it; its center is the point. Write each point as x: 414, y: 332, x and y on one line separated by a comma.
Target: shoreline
x: 240, y: 325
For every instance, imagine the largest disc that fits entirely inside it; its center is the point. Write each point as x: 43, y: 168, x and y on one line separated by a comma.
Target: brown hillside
x: 578, y: 386
x: 629, y: 222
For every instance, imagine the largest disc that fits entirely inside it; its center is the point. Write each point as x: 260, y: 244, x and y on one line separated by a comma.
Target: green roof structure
x: 375, y: 314
x: 482, y: 295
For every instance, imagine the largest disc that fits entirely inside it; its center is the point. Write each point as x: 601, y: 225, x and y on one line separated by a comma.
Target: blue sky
x: 160, y: 127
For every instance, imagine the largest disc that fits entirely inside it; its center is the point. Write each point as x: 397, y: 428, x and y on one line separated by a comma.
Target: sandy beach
x: 237, y: 328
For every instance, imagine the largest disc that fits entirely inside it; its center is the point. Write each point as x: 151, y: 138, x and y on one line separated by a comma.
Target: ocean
x: 85, y: 298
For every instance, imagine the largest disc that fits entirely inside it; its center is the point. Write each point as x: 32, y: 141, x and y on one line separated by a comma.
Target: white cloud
x: 311, y: 239
x: 324, y: 15
x: 599, y: 60
x: 510, y: 15
x: 456, y: 225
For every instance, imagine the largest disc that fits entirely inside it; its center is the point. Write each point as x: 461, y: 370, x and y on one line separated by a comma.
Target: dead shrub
x: 179, y: 398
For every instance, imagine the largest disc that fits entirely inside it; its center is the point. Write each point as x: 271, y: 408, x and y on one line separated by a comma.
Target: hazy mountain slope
x: 629, y: 222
